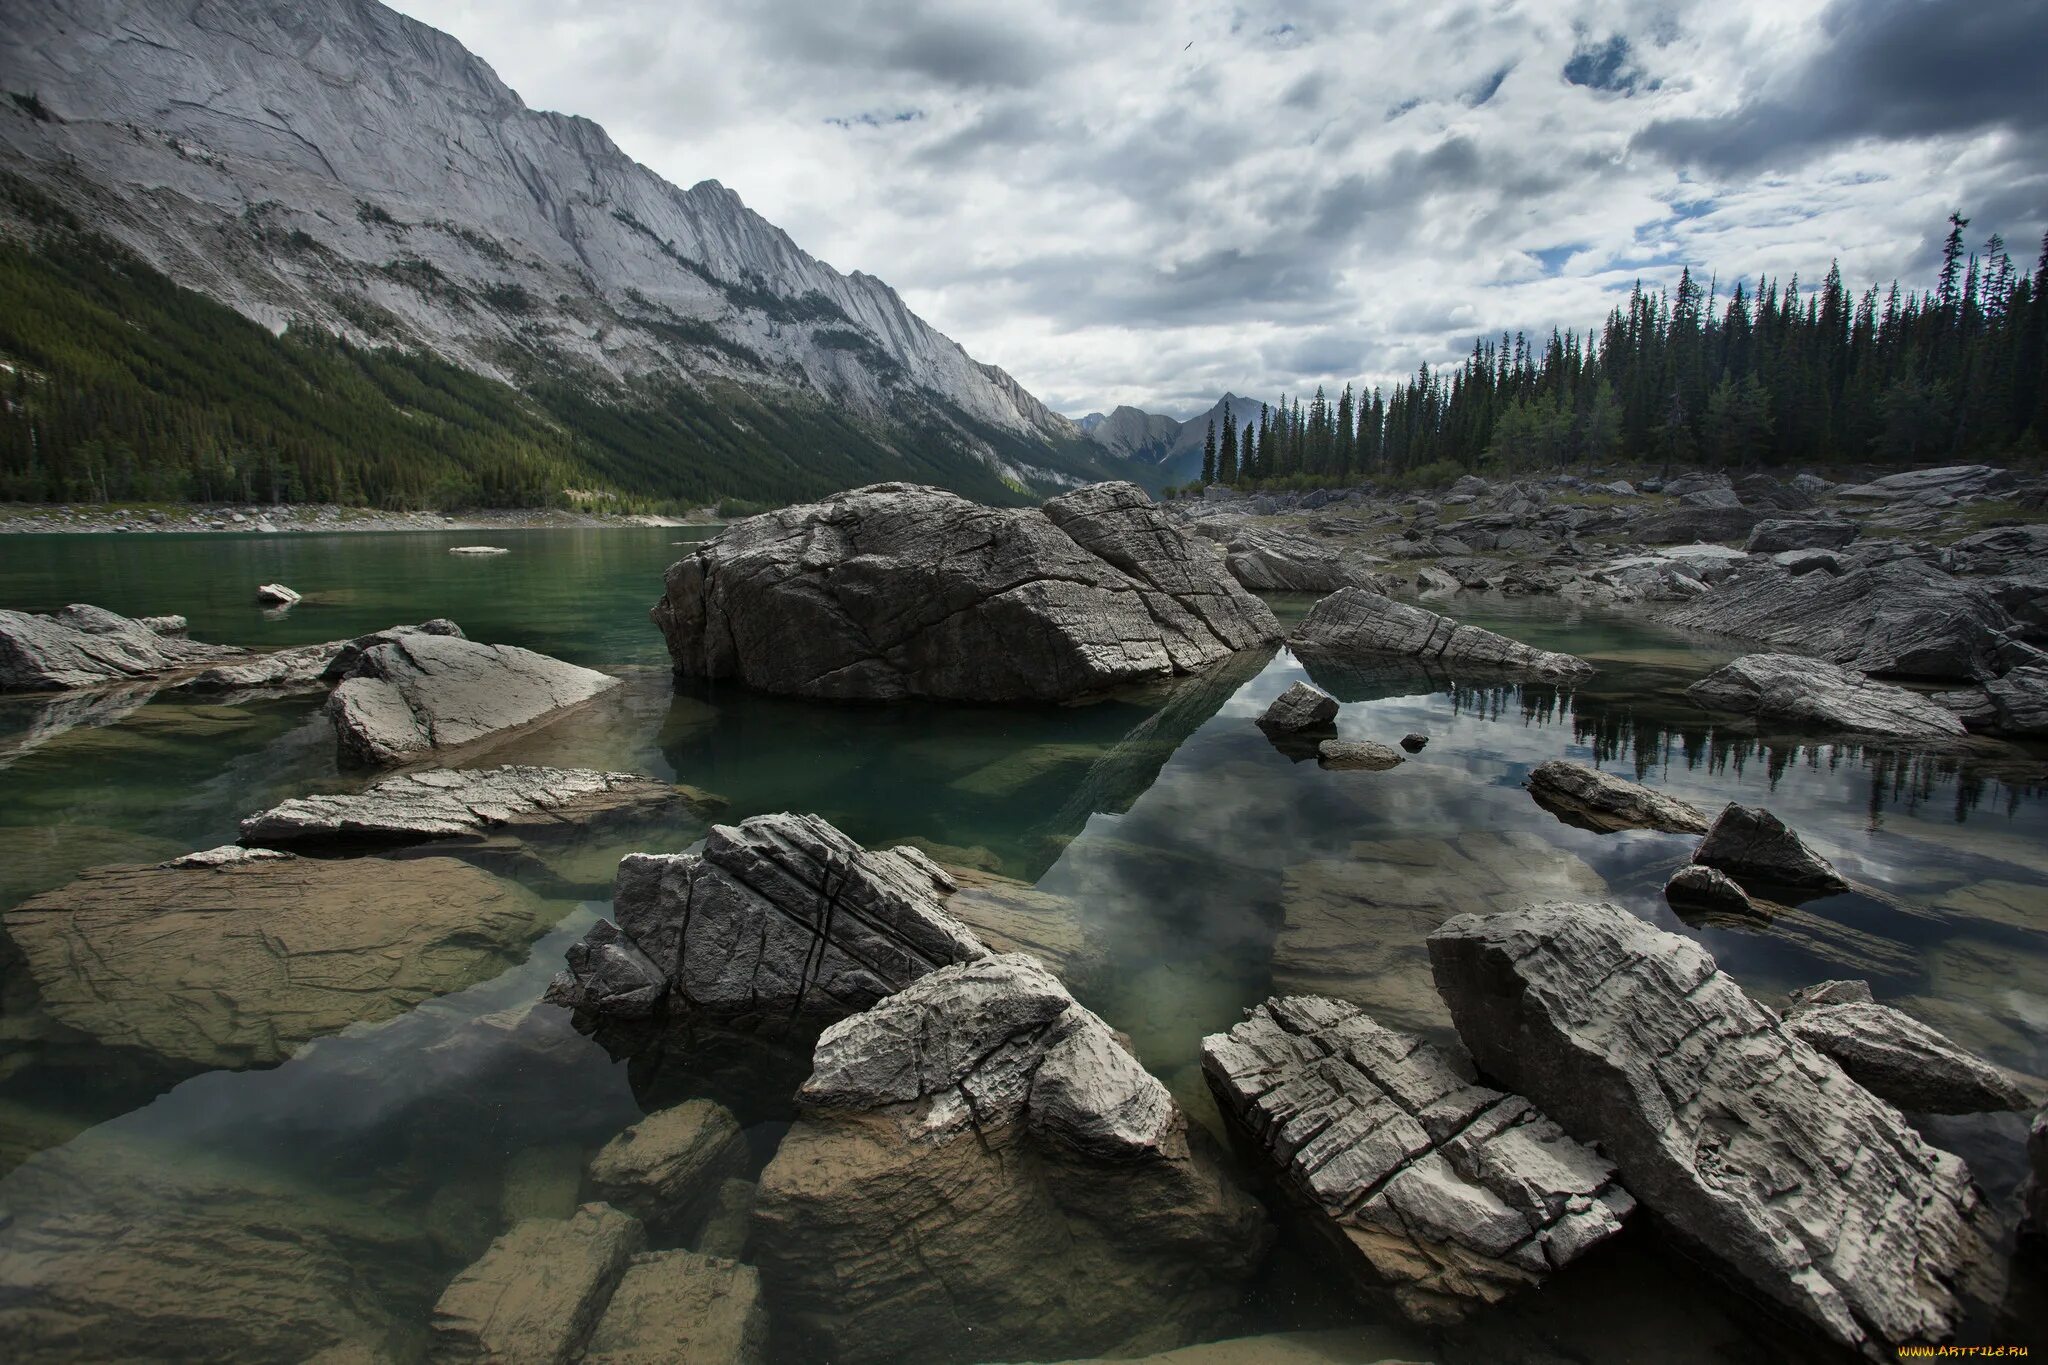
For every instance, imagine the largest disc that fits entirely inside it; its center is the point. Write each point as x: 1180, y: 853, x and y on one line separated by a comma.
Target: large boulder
x: 781, y: 916
x: 1450, y: 1194
x: 237, y: 958
x: 1591, y: 799
x: 1267, y: 561
x: 1950, y: 481
x: 1789, y: 1176
x: 2002, y: 550
x: 1902, y: 618
x: 537, y: 1293
x: 410, y: 698
x: 2019, y: 702
x: 1797, y: 690
x: 1772, y: 537
x: 1685, y: 524
x: 666, y: 1170
x: 1762, y: 852
x: 303, y: 666
x: 897, y: 590
x: 1353, y: 625
x: 682, y: 1308
x: 1898, y: 1058
x: 468, y: 803
x: 980, y: 1154
x: 85, y: 646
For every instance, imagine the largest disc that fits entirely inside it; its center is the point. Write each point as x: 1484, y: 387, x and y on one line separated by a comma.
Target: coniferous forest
x: 1762, y: 374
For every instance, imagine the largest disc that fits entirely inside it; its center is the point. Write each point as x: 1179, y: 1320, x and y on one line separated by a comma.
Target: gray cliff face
x: 346, y: 165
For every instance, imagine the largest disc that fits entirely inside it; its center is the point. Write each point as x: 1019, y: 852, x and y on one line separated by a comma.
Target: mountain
x: 1169, y: 451
x: 341, y: 169
x: 1131, y: 434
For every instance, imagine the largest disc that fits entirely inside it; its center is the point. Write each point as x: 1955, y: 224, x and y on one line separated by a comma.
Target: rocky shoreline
x: 320, y: 518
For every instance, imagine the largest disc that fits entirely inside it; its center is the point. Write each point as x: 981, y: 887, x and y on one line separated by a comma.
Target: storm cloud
x: 1149, y: 202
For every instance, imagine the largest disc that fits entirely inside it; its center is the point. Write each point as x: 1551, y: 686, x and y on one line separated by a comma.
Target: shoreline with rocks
x: 315, y: 518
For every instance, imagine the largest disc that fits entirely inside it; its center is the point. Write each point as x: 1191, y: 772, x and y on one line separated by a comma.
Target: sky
x: 1145, y: 202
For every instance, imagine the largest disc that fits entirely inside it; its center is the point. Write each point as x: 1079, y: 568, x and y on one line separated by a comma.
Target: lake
x: 1206, y: 870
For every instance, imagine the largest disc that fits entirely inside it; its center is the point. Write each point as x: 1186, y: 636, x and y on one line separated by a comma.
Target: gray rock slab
x: 1804, y: 691
x: 1592, y: 799
x: 1353, y: 624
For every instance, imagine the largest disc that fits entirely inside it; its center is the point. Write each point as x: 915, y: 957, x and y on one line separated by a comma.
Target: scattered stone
x: 539, y: 1290
x: 1357, y: 755
x: 83, y: 646
x: 409, y: 698
x: 1452, y: 1194
x: 681, y: 1308
x: 1414, y: 743
x: 986, y: 1130
x: 276, y: 595
x: 1770, y: 537
x: 1744, y: 1141
x: 666, y: 1169
x: 1354, y: 624
x: 236, y: 965
x: 443, y: 803
x: 1759, y: 850
x: 1811, y: 692
x: 781, y: 916
x: 1591, y: 799
x: 1707, y: 894
x: 897, y: 590
x: 1898, y: 1058
x: 1302, y: 706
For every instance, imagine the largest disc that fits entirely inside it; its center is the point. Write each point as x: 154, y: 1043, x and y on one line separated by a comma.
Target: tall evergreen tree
x: 1226, y: 455
x: 1209, y: 455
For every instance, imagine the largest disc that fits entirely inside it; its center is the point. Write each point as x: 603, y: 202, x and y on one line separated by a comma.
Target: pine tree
x: 1209, y: 455
x: 1226, y: 455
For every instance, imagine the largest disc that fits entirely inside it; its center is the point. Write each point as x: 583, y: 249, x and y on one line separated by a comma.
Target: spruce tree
x: 1209, y: 455
x: 1226, y: 455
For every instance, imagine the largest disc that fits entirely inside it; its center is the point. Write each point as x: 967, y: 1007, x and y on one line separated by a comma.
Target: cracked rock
x: 681, y: 1308
x: 538, y: 1292
x: 1301, y: 707
x: 468, y: 803
x: 666, y: 1170
x: 1591, y: 799
x: 1898, y: 1058
x: 1355, y: 625
x: 85, y: 646
x: 1748, y: 1144
x: 1760, y: 851
x: 1811, y: 692
x: 1451, y: 1194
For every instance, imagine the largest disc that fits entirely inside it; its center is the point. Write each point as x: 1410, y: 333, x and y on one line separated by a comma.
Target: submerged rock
x: 1810, y: 692
x: 409, y: 698
x: 1591, y: 799
x: 897, y: 590
x: 539, y: 1291
x: 237, y: 965
x: 1748, y: 1144
x: 1898, y: 1058
x: 1353, y: 624
x: 442, y: 803
x: 1451, y: 1194
x: 780, y: 916
x: 1302, y: 706
x: 978, y: 1153
x: 1759, y: 850
x: 83, y: 646
x: 682, y: 1308
x: 1360, y: 755
x: 666, y: 1169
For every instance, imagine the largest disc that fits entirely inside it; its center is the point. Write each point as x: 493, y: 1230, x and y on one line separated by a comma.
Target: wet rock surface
x: 980, y: 1153
x: 1760, y: 851
x: 1592, y: 799
x: 86, y: 646
x: 1898, y: 1058
x: 897, y: 590
x: 1357, y: 755
x: 465, y: 803
x: 1719, y: 1119
x: 1451, y: 1194
x: 304, y: 666
x: 681, y: 1308
x: 1303, y: 706
x: 667, y: 1169
x: 1813, y: 693
x: 539, y: 1291
x: 1708, y: 894
x: 413, y: 697
x: 1357, y: 625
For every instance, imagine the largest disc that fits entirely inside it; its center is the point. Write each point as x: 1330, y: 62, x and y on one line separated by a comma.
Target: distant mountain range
x: 1168, y: 451
x: 340, y: 168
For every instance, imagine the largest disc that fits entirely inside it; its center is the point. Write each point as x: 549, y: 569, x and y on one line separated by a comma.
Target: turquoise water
x: 1204, y: 867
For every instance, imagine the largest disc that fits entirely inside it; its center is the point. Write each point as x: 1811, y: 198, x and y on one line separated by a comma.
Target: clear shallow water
x: 1205, y: 870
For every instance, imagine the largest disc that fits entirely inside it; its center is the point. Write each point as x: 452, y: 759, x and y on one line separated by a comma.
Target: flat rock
x: 412, y: 697
x: 1592, y: 799
x: 1898, y: 1058
x: 1353, y: 624
x: 1303, y: 706
x: 978, y: 1153
x: 1266, y: 561
x: 443, y: 803
x: 85, y: 646
x: 1789, y: 1176
x: 781, y: 915
x: 538, y: 1292
x: 680, y: 1308
x: 303, y: 666
x: 1452, y: 1194
x: 1362, y: 755
x: 1811, y: 692
x: 897, y: 590
x: 237, y: 965
x: 1760, y: 851
x: 666, y: 1169
x: 1771, y: 537
x: 1829, y: 993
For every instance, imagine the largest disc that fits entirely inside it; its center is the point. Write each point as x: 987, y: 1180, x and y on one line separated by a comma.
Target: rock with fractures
x: 84, y: 646
x: 1771, y: 537
x: 1267, y: 561
x: 410, y: 698
x: 1746, y: 1142
x: 666, y: 1169
x: 680, y: 1308
x: 538, y: 1292
x: 1359, y: 755
x: 304, y: 666
x: 781, y: 915
x: 469, y: 803
x: 1708, y: 894
x: 978, y: 1153
x: 1898, y: 1058
x: 2019, y: 702
x: 1353, y: 624
x: 1303, y: 706
x: 237, y: 965
x: 897, y: 590
x: 1810, y: 692
x: 1451, y: 1194
x: 1760, y: 851
x: 1591, y: 799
